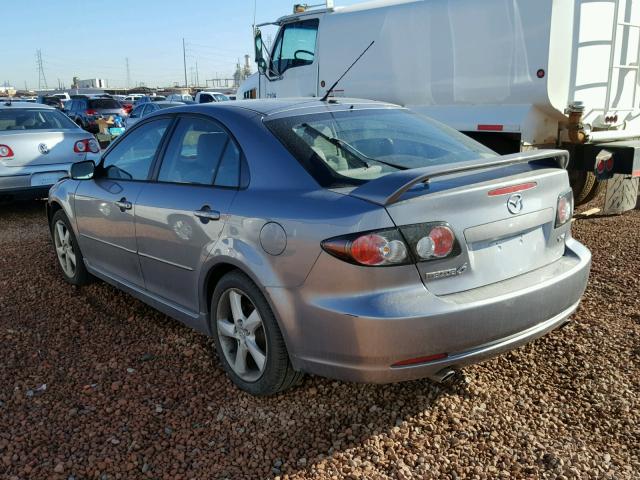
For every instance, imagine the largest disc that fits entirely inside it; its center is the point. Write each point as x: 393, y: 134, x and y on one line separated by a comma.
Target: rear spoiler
x: 389, y: 188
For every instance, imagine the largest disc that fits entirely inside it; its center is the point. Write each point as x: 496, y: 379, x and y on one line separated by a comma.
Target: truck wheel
x: 582, y: 184
x: 598, y: 187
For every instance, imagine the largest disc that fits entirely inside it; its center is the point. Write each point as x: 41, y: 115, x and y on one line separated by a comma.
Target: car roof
x: 167, y: 102
x: 287, y: 106
x: 13, y: 105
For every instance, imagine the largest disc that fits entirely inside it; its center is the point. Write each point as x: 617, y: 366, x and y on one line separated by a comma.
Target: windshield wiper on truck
x: 350, y: 149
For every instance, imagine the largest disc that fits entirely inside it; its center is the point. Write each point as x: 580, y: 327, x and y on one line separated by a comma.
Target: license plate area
x: 46, y: 178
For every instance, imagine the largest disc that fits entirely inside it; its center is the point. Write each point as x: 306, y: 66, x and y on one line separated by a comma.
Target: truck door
x: 294, y: 67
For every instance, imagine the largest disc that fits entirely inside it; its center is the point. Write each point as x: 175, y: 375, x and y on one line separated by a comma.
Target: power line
x: 128, y: 73
x: 42, y: 80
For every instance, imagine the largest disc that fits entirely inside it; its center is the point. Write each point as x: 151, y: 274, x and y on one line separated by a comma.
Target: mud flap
x: 622, y: 194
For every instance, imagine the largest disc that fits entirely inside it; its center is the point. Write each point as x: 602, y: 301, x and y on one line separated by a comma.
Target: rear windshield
x: 106, y: 103
x: 34, y: 119
x: 355, y: 146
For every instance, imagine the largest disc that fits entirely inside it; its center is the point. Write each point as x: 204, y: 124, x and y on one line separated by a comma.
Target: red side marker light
x: 415, y: 361
x: 540, y: 73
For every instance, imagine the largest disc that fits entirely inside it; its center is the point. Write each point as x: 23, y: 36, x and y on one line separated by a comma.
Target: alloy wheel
x: 64, y: 248
x: 241, y: 334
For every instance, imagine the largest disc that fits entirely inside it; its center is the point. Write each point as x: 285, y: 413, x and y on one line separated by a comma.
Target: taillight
x: 431, y: 241
x: 604, y: 161
x: 373, y: 249
x: 5, y: 151
x: 411, y: 243
x: 564, y: 210
x: 91, y: 111
x: 87, y: 145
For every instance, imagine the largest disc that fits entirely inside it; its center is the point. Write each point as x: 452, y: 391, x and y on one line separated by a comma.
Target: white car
x: 38, y: 145
x: 178, y: 97
x: 209, y: 97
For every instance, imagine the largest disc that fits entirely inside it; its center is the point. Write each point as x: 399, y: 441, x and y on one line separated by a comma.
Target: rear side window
x: 132, y: 157
x: 201, y: 152
x: 206, y: 98
x: 34, y: 119
x: 106, y: 103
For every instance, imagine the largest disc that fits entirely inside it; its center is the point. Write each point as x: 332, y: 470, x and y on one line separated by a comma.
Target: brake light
x: 5, y: 151
x: 564, y: 210
x: 87, y: 145
x: 512, y: 189
x: 431, y: 241
x: 604, y: 161
x: 373, y: 249
x: 91, y: 111
x: 411, y: 243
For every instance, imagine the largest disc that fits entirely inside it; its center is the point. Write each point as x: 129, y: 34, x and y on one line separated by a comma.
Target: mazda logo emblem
x: 43, y: 148
x: 514, y: 204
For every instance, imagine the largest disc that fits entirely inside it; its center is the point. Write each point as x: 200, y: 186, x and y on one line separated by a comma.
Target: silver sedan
x: 38, y: 145
x: 348, y: 238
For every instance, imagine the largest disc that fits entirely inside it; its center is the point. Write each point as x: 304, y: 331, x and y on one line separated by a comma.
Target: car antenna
x: 326, y: 95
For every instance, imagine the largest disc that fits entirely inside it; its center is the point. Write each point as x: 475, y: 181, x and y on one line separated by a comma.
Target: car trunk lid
x: 497, y: 241
x: 42, y: 147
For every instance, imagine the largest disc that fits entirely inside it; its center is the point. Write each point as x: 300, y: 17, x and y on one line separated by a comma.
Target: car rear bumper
x: 359, y: 337
x: 30, y: 178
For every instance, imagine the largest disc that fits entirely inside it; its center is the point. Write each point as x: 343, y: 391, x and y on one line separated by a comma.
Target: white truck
x: 513, y: 74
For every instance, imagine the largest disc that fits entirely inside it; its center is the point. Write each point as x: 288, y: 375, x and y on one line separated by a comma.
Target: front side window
x: 132, y: 157
x: 34, y: 119
x: 295, y: 46
x: 206, y: 98
x: 344, y: 148
x: 200, y: 152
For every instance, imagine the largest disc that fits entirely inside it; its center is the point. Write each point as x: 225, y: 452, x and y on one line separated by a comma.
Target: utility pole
x: 42, y: 80
x: 184, y: 59
x: 197, y: 79
x: 128, y: 73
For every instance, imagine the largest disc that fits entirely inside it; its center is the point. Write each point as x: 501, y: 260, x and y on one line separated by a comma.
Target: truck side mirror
x: 259, y: 57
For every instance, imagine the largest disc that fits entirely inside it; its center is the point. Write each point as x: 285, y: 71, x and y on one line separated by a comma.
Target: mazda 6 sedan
x: 351, y: 239
x: 38, y: 145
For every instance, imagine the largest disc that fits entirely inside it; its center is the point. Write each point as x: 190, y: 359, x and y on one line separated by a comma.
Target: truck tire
x: 598, y: 186
x: 583, y: 183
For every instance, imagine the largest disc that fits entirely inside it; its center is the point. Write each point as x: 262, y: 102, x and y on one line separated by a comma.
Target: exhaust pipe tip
x: 444, y: 376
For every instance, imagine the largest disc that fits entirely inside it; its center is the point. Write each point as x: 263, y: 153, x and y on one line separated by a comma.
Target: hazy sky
x: 90, y: 39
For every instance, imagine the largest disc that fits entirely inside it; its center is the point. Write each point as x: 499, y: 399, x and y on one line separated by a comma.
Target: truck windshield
x: 351, y: 147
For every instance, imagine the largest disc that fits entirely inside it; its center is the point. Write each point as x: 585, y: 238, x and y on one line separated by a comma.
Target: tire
x: 238, y: 336
x: 66, y: 248
x: 582, y: 184
x: 598, y: 186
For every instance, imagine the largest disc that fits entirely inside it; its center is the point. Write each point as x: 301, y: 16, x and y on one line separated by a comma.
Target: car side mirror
x: 82, y: 170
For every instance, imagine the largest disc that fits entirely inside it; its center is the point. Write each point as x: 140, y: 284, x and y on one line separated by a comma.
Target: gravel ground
x: 94, y: 384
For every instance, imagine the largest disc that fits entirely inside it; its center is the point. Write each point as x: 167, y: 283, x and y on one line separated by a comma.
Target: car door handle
x: 205, y: 214
x: 123, y: 204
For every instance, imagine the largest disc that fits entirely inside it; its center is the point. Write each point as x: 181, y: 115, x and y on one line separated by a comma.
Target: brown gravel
x: 131, y: 393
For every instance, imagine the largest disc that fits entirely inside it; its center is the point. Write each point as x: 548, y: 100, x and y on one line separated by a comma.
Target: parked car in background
x: 52, y: 102
x: 350, y: 239
x: 133, y: 97
x: 210, y: 97
x: 141, y: 111
x: 38, y: 144
x: 149, y: 98
x: 179, y: 97
x: 86, y: 110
